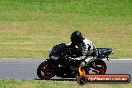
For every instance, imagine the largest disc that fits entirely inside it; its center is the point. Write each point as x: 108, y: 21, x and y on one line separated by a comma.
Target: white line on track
x: 120, y: 59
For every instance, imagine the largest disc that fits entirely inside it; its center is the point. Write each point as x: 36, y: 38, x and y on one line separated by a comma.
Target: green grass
x: 29, y: 28
x: 56, y: 84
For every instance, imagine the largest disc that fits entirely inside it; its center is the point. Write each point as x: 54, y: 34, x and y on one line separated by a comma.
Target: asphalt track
x: 26, y: 69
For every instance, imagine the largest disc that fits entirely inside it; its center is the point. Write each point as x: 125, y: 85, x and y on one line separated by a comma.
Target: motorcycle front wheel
x: 97, y: 67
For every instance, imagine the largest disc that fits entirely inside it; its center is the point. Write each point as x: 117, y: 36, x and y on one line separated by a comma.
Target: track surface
x: 26, y: 69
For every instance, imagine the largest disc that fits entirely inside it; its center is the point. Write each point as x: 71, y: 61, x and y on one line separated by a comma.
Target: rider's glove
x: 77, y: 58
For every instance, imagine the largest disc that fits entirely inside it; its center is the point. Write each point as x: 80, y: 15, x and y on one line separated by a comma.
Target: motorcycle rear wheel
x: 46, y: 70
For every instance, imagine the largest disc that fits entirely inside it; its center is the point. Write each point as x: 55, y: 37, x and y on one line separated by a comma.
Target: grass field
x: 56, y: 84
x: 29, y: 28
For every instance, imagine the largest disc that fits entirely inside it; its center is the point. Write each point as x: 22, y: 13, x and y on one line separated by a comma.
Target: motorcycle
x: 60, y: 64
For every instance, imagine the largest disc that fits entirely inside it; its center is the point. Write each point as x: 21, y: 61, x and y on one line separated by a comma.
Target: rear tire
x: 46, y: 70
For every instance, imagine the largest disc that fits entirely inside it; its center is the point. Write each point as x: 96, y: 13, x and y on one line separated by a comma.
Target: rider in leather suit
x: 87, y: 48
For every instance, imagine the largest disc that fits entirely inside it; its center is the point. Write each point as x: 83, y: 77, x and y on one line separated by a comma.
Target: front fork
x: 88, y: 70
x: 81, y: 71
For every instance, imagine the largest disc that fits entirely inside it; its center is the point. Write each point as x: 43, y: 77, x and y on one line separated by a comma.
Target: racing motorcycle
x: 60, y: 64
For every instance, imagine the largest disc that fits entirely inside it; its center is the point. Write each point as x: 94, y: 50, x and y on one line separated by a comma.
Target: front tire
x: 81, y: 80
x: 99, y: 66
x: 46, y: 70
